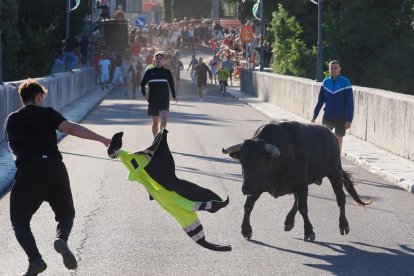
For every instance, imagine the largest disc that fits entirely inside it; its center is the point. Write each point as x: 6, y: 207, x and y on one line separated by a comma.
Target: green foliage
x: 37, y: 55
x: 290, y: 54
x: 34, y: 34
x: 195, y: 8
x: 375, y: 47
x: 167, y: 10
x: 11, y: 40
x: 373, y: 39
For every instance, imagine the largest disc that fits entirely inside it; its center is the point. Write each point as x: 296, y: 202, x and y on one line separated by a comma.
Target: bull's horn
x: 232, y: 149
x: 273, y: 150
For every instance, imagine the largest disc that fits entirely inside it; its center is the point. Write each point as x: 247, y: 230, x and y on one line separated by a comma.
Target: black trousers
x: 36, y: 181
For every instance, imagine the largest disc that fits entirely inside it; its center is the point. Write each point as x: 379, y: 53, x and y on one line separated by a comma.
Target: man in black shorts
x: 160, y: 82
x: 337, y: 96
x: 41, y: 175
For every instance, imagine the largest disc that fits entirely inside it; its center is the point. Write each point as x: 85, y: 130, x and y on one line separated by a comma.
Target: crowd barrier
x: 63, y: 88
x: 382, y: 118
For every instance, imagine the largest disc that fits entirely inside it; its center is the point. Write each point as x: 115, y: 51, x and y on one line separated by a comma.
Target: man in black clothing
x: 160, y: 82
x: 41, y: 175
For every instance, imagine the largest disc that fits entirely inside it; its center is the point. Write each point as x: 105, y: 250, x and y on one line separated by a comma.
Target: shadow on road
x: 354, y: 260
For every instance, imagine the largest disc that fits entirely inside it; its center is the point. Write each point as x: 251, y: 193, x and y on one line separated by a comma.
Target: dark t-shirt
x: 160, y: 82
x: 31, y: 132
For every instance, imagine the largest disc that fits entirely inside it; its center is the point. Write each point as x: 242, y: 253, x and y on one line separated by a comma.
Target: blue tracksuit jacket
x: 338, y: 98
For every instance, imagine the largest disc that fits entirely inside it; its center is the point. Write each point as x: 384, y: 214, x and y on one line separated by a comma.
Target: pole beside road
x: 1, y: 53
x: 319, y: 63
x: 262, y: 23
x: 67, y: 19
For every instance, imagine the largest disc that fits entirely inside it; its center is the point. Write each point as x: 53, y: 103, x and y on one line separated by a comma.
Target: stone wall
x: 63, y: 88
x: 383, y: 118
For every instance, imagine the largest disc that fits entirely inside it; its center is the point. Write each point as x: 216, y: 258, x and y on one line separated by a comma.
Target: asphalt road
x: 118, y: 231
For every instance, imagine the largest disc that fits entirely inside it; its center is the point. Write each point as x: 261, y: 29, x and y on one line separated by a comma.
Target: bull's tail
x: 349, y: 186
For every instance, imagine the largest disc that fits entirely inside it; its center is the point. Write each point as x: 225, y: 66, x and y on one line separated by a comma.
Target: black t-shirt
x: 31, y: 132
x: 160, y: 82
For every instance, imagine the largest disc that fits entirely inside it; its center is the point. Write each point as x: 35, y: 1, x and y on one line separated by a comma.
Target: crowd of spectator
x: 122, y: 67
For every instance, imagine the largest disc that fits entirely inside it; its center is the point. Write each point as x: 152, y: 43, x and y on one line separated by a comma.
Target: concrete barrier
x: 383, y: 118
x: 63, y: 88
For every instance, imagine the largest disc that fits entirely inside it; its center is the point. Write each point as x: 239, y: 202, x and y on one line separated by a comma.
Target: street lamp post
x: 67, y: 18
x: 319, y: 64
x: 262, y: 22
x: 1, y: 62
x: 215, y: 9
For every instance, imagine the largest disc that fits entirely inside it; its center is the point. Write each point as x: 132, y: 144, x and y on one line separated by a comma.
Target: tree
x: 167, y: 10
x: 11, y: 40
x: 34, y: 33
x: 376, y: 46
x: 178, y: 9
x: 290, y: 54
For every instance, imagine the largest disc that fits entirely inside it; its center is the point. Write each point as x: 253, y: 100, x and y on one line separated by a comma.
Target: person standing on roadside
x: 105, y: 68
x: 71, y: 60
x: 118, y: 70
x: 41, y: 175
x: 336, y: 93
x: 119, y: 13
x: 160, y: 82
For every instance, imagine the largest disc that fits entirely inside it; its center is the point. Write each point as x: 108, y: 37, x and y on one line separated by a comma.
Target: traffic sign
x: 247, y: 34
x: 140, y: 22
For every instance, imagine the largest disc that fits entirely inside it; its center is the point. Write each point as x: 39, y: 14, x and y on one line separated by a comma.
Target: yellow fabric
x: 179, y: 207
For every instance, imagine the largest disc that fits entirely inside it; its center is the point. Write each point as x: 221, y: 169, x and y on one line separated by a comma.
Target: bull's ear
x: 273, y: 151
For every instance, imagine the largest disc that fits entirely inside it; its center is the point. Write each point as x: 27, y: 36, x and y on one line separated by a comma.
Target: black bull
x: 284, y: 158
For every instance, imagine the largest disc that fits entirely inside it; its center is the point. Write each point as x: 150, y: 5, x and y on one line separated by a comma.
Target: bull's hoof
x: 344, y: 230
x: 309, y: 237
x: 247, y: 233
x: 248, y: 236
x: 289, y: 227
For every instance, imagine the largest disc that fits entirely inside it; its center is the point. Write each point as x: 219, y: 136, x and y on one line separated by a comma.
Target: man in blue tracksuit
x: 336, y: 93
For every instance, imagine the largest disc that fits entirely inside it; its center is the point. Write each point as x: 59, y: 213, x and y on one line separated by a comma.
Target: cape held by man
x: 154, y: 168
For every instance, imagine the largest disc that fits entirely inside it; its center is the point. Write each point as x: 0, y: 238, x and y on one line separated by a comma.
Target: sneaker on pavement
x: 69, y: 259
x: 36, y: 267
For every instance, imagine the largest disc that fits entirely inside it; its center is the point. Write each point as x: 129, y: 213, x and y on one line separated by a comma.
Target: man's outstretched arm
x: 80, y: 131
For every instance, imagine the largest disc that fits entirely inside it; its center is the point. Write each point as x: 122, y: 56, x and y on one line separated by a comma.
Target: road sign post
x: 247, y: 37
x: 140, y: 22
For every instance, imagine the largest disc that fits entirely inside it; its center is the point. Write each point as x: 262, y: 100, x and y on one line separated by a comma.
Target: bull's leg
x: 290, y: 218
x: 303, y: 210
x: 248, y: 208
x: 336, y: 182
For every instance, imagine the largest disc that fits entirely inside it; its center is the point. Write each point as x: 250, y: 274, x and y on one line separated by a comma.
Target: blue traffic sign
x: 140, y: 22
